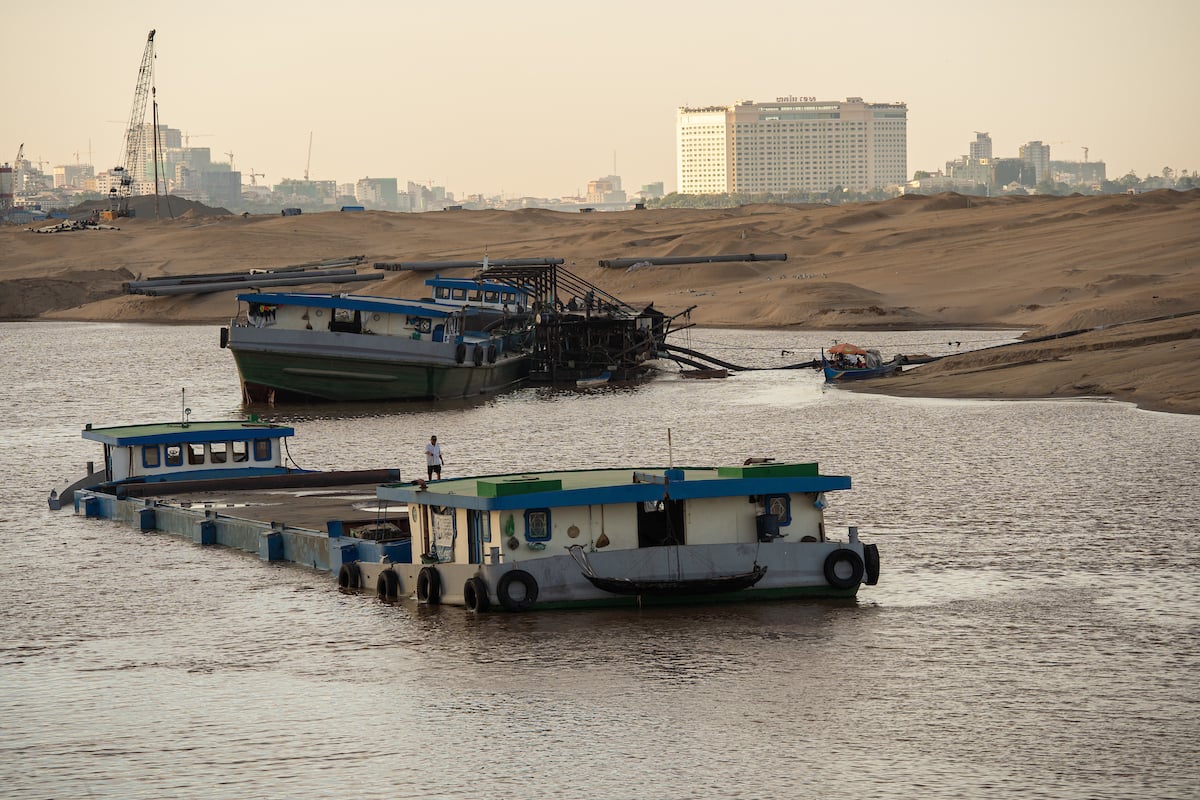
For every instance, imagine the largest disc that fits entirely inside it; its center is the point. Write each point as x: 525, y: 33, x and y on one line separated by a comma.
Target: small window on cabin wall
x: 491, y: 297
x: 537, y: 525
x: 174, y: 455
x: 459, y: 294
x: 195, y: 453
x: 780, y: 505
x: 150, y: 456
x: 443, y: 293
x: 475, y: 295
x: 508, y: 297
x: 262, y: 449
x: 240, y: 451
x: 219, y: 452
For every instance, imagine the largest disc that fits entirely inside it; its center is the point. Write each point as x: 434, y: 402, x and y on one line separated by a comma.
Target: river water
x: 1035, y: 632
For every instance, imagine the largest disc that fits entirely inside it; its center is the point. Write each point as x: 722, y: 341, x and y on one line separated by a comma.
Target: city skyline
x: 535, y: 98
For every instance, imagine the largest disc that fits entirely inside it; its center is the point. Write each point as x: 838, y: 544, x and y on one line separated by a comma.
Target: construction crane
x: 230, y: 161
x: 134, y: 137
x: 254, y: 175
x: 308, y: 163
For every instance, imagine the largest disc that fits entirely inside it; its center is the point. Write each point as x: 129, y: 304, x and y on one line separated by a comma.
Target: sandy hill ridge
x: 1046, y: 264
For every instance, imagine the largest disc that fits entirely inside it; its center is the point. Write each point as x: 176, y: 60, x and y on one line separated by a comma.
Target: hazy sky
x: 533, y: 97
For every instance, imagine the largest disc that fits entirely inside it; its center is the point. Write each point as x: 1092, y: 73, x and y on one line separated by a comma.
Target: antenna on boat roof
x: 670, y: 455
x: 183, y: 406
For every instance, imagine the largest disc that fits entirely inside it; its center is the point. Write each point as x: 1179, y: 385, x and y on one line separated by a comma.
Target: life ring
x: 475, y: 595
x: 429, y: 586
x: 478, y: 356
x: 836, y: 564
x: 522, y: 598
x: 491, y: 355
x: 350, y: 576
x: 387, y: 586
x: 460, y: 353
x: 871, y: 559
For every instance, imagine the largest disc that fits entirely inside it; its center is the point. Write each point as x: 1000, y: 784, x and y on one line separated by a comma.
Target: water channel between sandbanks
x: 1035, y: 631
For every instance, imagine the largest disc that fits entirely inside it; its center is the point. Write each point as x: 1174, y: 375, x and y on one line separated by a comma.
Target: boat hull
x: 834, y: 375
x: 334, y: 371
x: 789, y: 570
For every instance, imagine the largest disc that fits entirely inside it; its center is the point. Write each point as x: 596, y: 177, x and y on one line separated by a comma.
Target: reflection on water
x: 1035, y: 631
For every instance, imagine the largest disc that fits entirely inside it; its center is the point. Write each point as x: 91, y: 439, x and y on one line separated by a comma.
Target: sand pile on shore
x: 1046, y: 264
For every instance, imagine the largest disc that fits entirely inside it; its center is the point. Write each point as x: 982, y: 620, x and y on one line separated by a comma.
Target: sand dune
x: 1044, y: 264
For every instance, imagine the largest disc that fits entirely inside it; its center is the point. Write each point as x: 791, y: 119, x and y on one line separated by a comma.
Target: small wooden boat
x: 667, y: 588
x: 852, y: 363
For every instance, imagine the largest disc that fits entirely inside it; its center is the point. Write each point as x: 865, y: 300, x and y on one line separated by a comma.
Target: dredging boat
x: 516, y: 542
x: 469, y: 338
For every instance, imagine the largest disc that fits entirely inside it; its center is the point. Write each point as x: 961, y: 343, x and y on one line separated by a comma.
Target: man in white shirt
x: 433, y: 458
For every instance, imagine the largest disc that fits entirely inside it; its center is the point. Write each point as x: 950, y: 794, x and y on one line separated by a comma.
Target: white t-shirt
x: 433, y: 455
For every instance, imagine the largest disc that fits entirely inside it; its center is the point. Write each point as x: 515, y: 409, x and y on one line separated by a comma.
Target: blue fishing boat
x: 847, y: 362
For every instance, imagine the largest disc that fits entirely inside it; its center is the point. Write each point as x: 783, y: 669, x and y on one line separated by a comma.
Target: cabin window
x: 150, y: 456
x: 195, y: 453
x: 174, y: 455
x: 240, y: 451
x: 779, y: 505
x: 218, y: 452
x: 508, y: 297
x: 491, y: 297
x: 537, y: 525
x: 459, y: 294
x: 474, y: 295
x: 345, y: 320
x: 262, y: 449
x: 442, y: 293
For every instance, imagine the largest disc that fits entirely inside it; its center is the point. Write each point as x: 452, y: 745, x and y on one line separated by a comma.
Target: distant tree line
x: 1181, y: 180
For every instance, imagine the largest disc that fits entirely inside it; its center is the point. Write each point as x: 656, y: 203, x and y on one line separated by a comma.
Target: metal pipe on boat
x: 334, y: 276
x: 621, y: 263
x: 497, y: 262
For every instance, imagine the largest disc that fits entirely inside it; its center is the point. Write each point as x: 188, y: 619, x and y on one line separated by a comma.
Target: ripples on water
x: 1034, y: 633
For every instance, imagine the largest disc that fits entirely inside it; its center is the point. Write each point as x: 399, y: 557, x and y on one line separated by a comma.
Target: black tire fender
x: 835, y: 560
x: 429, y: 586
x: 475, y: 595
x: 478, y: 355
x: 871, y: 559
x: 387, y: 585
x: 526, y: 592
x: 491, y: 354
x: 350, y: 576
x: 460, y: 353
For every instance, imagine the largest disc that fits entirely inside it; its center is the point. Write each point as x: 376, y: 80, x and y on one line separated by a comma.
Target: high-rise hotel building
x: 794, y: 144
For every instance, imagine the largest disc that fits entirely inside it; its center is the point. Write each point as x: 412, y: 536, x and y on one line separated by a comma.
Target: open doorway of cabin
x: 660, y: 523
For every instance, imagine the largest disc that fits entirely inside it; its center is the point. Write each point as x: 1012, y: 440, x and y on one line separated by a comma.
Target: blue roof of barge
x: 179, y: 433
x: 386, y: 305
x: 611, y: 486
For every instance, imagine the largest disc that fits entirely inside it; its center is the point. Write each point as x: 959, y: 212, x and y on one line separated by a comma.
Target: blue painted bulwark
x: 270, y: 545
x: 206, y: 532
x: 91, y: 507
x: 146, y: 519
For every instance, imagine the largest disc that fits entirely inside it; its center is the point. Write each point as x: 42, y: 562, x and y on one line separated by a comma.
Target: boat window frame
x: 239, y: 451
x: 173, y: 459
x: 786, y: 517
x: 263, y: 450
x: 458, y: 294
x: 530, y: 514
x: 220, y: 456
x: 195, y: 453
x: 151, y: 463
x: 491, y: 296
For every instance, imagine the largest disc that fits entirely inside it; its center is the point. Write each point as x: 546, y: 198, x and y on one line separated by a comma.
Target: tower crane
x: 134, y: 136
x: 254, y: 175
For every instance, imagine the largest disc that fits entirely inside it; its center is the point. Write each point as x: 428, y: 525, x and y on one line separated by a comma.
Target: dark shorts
x: 432, y: 469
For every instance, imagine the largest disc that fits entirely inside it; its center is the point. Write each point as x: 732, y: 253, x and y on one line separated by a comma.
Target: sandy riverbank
x: 1043, y: 264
